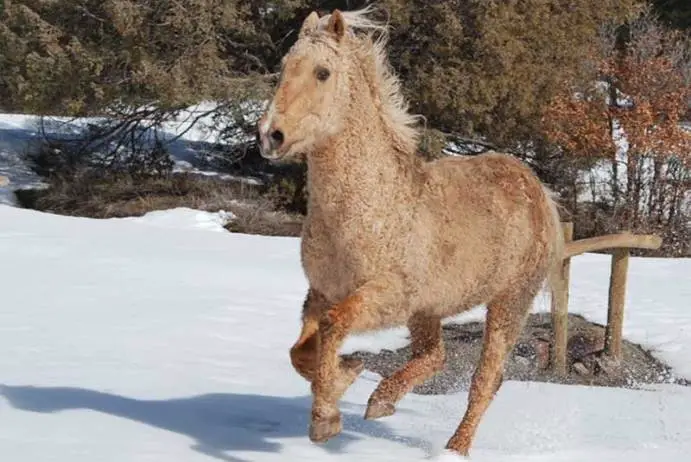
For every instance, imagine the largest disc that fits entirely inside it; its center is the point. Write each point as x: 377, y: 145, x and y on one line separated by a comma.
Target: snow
x: 159, y: 339
x: 186, y: 218
x: 14, y: 136
x: 448, y: 456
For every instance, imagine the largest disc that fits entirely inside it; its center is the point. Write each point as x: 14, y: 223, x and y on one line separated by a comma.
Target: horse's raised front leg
x: 359, y: 311
x: 505, y: 319
x: 427, y: 359
x: 303, y: 354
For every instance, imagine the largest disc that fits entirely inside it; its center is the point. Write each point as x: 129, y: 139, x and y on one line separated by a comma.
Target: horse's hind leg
x: 427, y: 359
x: 303, y: 353
x: 505, y: 319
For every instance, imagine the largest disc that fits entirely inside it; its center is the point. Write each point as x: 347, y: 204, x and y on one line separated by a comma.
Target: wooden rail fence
x: 620, y: 245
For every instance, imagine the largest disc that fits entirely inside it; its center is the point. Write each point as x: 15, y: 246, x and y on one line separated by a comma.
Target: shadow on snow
x: 219, y: 423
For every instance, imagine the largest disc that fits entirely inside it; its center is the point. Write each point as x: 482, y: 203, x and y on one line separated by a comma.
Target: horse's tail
x: 556, y: 254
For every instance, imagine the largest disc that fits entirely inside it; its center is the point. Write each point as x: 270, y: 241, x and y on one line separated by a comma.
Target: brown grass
x: 261, y: 217
x: 121, y: 195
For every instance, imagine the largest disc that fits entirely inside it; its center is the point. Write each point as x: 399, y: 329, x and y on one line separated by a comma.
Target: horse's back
x: 494, y: 186
x: 486, y: 220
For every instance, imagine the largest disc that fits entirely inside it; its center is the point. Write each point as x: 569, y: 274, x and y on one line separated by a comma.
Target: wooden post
x: 621, y: 243
x: 615, y: 307
x: 560, y: 311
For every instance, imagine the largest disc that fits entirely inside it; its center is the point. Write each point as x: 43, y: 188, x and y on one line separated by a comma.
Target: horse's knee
x: 303, y: 357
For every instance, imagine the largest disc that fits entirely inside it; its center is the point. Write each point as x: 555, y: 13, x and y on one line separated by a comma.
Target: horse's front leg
x: 360, y: 311
x: 303, y: 353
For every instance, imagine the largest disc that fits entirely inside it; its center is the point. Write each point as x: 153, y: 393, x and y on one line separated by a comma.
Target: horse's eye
x: 322, y: 73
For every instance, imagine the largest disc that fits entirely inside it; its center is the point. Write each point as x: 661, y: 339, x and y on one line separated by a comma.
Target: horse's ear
x: 337, y: 25
x: 309, y: 24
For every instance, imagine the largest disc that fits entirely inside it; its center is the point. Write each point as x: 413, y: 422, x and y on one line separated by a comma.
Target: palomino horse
x: 390, y: 240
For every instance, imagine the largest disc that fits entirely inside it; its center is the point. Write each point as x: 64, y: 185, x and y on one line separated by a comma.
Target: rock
x: 607, y: 365
x: 4, y: 181
x: 580, y: 369
x: 524, y: 350
x: 522, y: 360
x: 586, y: 343
x: 541, y: 353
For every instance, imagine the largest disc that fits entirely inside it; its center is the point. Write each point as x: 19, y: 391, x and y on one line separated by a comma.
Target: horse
x: 391, y: 240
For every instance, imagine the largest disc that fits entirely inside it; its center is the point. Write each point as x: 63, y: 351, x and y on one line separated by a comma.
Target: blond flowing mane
x: 371, y: 38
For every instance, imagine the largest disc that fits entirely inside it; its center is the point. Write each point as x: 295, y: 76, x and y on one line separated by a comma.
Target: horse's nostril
x: 277, y: 137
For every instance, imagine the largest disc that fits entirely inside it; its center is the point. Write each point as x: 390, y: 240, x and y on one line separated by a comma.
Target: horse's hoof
x: 379, y: 409
x: 353, y: 366
x: 321, y: 430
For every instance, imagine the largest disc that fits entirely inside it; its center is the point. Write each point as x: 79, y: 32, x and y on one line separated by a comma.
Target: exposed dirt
x: 529, y: 359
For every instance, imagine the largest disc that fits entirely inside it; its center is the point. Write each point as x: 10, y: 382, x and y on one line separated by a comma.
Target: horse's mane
x: 387, y: 83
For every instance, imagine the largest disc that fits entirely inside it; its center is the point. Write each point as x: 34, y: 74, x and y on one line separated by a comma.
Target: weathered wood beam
x: 612, y: 241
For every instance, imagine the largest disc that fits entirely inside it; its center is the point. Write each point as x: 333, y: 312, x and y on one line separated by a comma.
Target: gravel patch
x: 587, y: 365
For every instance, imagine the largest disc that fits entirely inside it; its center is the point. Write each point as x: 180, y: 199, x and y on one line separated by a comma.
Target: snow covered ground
x: 160, y: 338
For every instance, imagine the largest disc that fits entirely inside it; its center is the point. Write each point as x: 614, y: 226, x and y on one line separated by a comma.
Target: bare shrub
x: 123, y: 195
x: 628, y: 121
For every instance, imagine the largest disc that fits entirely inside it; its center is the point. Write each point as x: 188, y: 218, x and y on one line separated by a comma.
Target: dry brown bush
x: 123, y: 195
x: 261, y: 217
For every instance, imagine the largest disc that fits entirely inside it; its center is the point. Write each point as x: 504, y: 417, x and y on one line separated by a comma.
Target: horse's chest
x: 336, y: 262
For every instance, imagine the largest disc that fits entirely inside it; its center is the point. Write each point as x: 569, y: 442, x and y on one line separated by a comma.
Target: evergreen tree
x: 485, y: 68
x: 675, y: 12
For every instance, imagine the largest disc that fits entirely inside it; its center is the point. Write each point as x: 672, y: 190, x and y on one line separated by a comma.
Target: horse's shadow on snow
x: 219, y: 423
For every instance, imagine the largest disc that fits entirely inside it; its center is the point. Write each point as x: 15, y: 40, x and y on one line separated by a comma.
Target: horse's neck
x: 356, y: 175
x: 363, y: 168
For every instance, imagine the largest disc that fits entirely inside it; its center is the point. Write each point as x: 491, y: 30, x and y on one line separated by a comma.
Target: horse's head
x: 313, y: 92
